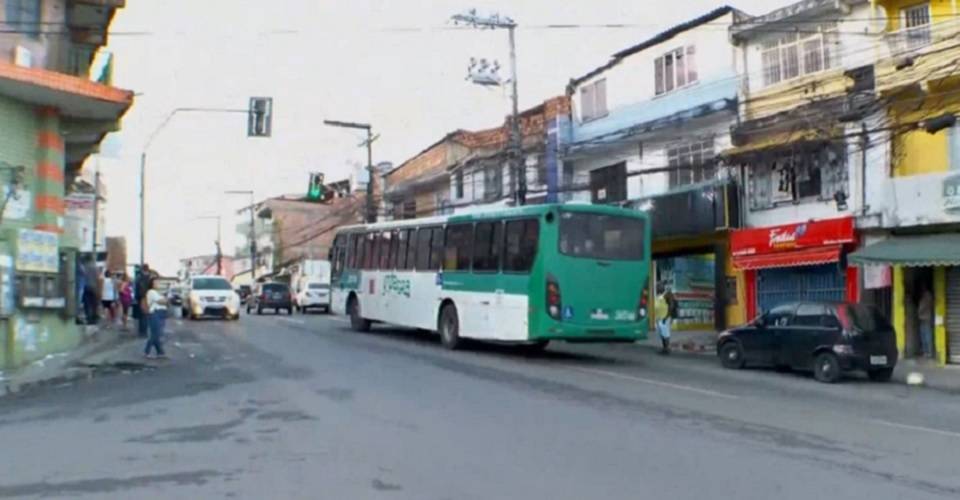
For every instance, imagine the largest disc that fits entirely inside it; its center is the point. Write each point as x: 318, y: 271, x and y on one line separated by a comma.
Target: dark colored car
x: 828, y: 338
x: 275, y: 296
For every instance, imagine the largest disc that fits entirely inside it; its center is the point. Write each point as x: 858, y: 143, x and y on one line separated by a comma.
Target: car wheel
x: 826, y: 367
x: 731, y: 356
x: 880, y: 375
x: 535, y: 347
x: 449, y: 327
x: 356, y: 319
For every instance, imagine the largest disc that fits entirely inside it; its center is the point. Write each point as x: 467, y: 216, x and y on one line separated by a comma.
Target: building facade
x: 646, y: 130
x: 53, y: 114
x: 912, y: 224
x: 807, y: 104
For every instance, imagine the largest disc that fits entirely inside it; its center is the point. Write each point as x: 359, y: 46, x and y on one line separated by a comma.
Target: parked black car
x: 828, y: 338
x: 275, y: 296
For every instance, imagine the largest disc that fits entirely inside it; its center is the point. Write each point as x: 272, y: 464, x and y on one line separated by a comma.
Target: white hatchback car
x: 210, y: 296
x: 314, y: 295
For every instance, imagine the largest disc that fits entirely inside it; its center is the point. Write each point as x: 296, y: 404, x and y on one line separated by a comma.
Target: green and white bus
x: 524, y: 275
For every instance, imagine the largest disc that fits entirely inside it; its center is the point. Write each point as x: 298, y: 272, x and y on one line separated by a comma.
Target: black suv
x: 275, y: 296
x: 826, y: 337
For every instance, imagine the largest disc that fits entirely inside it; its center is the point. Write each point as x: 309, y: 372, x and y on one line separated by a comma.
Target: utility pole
x: 484, y: 73
x: 217, y: 243
x: 252, y: 234
x: 371, y: 209
x: 96, y: 208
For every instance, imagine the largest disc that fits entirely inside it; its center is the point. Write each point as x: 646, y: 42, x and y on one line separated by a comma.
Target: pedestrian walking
x: 126, y: 298
x: 108, y: 297
x: 665, y: 310
x: 925, y: 319
x: 156, y: 306
x: 89, y: 298
x: 140, y: 293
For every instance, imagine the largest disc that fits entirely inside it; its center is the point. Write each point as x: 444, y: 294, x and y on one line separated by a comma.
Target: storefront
x: 921, y: 263
x: 803, y: 261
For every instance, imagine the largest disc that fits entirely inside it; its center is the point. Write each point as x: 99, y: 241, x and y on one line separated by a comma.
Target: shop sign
x: 792, y: 236
x: 877, y: 277
x: 951, y: 192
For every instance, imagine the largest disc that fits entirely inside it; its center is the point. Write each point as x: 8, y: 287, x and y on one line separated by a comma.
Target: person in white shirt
x: 108, y: 296
x: 156, y: 306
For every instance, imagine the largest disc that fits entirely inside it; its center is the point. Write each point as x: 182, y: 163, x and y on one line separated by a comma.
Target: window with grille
x: 675, y: 69
x: 691, y: 162
x: 916, y: 23
x: 609, y: 184
x: 24, y: 16
x: 492, y: 182
x: 798, y: 177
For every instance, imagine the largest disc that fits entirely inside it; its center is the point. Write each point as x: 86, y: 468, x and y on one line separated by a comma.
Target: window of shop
x: 795, y: 177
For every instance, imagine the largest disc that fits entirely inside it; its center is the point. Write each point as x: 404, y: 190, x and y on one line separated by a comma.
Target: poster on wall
x: 37, y: 251
x: 18, y: 203
x: 875, y: 277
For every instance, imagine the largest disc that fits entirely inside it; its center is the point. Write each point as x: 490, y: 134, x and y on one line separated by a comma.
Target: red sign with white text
x: 792, y: 237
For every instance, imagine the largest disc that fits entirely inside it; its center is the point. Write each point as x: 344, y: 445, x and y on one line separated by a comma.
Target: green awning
x: 911, y: 251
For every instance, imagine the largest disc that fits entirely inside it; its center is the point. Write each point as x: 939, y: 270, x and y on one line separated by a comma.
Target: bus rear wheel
x: 449, y: 327
x: 356, y: 319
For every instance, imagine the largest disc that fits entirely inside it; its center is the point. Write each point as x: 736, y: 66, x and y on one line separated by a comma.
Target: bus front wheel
x: 356, y: 319
x: 449, y: 327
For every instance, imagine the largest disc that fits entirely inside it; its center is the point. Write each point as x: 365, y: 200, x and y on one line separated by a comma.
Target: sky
x: 399, y: 65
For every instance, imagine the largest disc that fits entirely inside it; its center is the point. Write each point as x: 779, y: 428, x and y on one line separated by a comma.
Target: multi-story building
x: 53, y: 115
x: 912, y: 218
x: 647, y: 126
x: 807, y: 105
x: 465, y: 169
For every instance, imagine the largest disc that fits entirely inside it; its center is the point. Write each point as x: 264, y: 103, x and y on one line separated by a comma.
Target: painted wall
x: 631, y: 90
x: 654, y: 156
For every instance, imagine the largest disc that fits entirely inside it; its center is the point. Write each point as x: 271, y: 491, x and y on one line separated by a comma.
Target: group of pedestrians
x: 108, y: 295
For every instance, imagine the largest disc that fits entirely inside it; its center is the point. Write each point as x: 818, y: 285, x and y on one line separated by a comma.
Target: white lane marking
x: 680, y: 387
x: 930, y: 430
x: 293, y: 320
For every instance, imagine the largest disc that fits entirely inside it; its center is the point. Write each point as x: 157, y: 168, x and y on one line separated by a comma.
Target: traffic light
x: 260, y: 117
x: 316, y: 190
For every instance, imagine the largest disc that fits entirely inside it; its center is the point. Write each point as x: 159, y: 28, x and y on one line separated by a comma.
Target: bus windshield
x: 599, y: 236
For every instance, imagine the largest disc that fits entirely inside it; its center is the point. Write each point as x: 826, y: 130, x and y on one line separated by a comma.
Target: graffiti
x: 395, y: 285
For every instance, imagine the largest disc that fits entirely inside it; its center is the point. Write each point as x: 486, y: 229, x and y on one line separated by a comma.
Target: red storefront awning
x: 804, y: 257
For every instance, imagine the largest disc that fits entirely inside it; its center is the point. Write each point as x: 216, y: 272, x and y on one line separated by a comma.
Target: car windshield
x: 868, y: 318
x: 599, y: 236
x: 318, y: 286
x: 211, y: 284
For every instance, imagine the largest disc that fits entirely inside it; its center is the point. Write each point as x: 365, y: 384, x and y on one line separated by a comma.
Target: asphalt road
x: 300, y: 407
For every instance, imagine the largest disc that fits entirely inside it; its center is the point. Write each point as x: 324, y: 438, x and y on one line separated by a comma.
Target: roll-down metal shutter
x: 953, y: 314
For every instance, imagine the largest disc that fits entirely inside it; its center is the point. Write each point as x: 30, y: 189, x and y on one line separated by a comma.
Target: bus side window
x: 374, y: 260
x: 522, y: 239
x: 394, y: 248
x: 457, y: 252
x: 423, y: 249
x: 386, y: 243
x: 436, y: 248
x: 369, y: 249
x: 404, y: 250
x: 488, y: 241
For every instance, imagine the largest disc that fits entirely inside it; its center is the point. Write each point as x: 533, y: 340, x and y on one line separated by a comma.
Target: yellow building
x: 918, y: 202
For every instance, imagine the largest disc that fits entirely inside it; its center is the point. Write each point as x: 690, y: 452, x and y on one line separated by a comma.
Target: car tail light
x: 642, y: 305
x: 554, y: 302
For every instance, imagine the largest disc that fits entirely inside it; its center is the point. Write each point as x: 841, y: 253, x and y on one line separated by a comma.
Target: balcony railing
x: 919, y: 39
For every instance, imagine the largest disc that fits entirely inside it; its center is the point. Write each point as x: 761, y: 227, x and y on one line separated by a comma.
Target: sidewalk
x: 99, y: 344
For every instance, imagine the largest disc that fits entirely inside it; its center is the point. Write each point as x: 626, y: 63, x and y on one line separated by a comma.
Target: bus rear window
x: 599, y: 236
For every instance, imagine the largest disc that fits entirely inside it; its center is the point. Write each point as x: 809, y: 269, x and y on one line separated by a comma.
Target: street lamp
x: 260, y: 116
x: 485, y: 73
x: 252, y: 234
x: 219, y: 251
x: 371, y: 213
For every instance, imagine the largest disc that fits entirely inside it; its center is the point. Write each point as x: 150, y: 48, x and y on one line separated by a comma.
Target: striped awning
x: 912, y: 251
x: 793, y: 258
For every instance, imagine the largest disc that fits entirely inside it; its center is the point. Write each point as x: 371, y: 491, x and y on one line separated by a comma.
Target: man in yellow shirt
x: 663, y: 318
